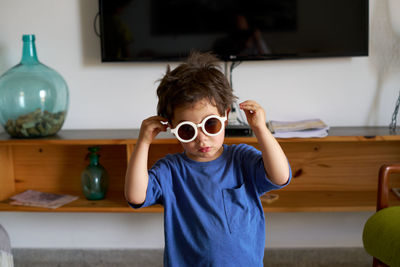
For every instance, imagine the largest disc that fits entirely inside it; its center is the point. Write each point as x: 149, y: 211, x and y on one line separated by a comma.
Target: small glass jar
x: 94, y: 178
x: 33, y: 97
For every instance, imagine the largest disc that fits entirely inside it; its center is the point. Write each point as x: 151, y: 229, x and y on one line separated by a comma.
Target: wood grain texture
x: 289, y: 201
x: 7, y: 183
x: 58, y: 168
x: 338, y: 166
x: 336, y: 173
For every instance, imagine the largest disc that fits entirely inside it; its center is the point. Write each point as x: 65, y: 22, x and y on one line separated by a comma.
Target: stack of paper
x: 301, y: 129
x: 40, y: 199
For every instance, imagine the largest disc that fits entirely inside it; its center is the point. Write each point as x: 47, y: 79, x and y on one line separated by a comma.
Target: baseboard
x: 296, y: 257
x: 307, y: 257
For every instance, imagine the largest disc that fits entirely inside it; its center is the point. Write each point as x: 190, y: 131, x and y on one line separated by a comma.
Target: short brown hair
x: 196, y: 79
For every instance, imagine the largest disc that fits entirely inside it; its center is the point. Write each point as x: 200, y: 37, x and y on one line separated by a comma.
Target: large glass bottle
x: 94, y: 178
x: 33, y: 97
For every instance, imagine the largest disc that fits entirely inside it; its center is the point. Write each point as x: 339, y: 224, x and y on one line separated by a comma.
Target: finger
x: 158, y: 120
x: 250, y: 107
x: 163, y: 121
x: 249, y: 102
x: 153, y: 126
x: 161, y: 125
x: 249, y: 112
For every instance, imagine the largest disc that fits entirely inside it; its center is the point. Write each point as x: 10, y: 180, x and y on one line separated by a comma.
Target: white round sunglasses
x: 187, y: 131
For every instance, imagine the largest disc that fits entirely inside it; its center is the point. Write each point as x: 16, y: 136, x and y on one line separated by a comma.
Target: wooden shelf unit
x: 335, y: 173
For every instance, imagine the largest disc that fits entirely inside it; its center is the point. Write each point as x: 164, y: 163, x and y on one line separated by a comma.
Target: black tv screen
x: 167, y: 30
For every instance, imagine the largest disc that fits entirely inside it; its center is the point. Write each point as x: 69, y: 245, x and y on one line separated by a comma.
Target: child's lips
x: 205, y: 149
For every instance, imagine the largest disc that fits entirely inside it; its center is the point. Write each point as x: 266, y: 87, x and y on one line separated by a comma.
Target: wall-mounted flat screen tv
x: 167, y: 30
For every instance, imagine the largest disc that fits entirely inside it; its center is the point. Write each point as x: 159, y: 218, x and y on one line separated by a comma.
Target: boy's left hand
x: 254, y: 113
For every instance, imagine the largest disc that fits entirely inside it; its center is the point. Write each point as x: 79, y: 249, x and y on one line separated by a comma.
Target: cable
x: 95, y: 24
x: 392, y: 125
x: 233, y: 65
x: 235, y: 106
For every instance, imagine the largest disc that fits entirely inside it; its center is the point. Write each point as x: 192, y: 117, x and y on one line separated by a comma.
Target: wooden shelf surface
x: 289, y: 201
x: 335, y: 173
x: 129, y: 136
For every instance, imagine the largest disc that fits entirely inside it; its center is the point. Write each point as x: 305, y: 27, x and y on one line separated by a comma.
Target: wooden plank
x: 289, y: 201
x: 337, y: 173
x: 50, y: 168
x: 7, y: 183
x: 325, y: 201
x: 129, y: 136
x: 340, y: 166
x: 114, y: 202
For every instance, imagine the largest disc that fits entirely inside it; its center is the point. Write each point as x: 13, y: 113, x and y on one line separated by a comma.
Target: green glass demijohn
x: 94, y: 178
x: 33, y: 97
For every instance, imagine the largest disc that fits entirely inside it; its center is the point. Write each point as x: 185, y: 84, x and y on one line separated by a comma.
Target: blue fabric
x: 213, y: 215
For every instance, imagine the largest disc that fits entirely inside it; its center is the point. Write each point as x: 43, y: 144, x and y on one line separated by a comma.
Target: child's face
x: 204, y: 147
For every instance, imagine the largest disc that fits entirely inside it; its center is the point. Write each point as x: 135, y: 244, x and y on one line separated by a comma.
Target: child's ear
x: 227, y: 116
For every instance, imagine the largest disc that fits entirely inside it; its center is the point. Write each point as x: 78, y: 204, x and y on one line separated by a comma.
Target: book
x: 300, y: 129
x: 40, y: 199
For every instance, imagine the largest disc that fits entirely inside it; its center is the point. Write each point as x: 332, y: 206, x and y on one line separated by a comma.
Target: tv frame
x: 233, y: 58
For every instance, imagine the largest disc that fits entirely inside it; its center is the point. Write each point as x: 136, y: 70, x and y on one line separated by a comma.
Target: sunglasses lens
x: 186, y: 132
x: 213, y: 125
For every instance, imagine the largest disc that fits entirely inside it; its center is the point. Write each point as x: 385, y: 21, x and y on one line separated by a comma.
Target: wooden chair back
x: 383, y: 184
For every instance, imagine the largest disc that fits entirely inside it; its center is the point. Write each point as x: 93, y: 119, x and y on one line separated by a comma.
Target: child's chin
x: 201, y: 157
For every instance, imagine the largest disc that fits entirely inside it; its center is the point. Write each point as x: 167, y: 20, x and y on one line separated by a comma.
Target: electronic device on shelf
x: 238, y: 130
x: 167, y: 30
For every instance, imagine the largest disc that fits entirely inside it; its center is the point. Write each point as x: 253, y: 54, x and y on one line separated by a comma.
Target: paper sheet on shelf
x: 39, y: 199
x: 302, y: 134
x: 298, y: 129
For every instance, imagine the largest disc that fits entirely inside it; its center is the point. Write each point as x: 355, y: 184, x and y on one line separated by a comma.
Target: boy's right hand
x: 151, y: 127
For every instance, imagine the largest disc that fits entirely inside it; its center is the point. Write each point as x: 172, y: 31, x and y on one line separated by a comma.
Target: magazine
x: 40, y: 199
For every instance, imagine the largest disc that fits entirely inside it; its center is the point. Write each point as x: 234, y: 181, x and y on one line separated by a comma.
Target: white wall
x: 342, y: 91
x: 143, y: 230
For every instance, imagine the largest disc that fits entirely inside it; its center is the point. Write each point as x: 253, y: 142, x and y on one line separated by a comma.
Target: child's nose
x: 201, y: 135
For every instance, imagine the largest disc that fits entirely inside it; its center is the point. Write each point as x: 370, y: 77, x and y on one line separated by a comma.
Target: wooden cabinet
x: 335, y: 173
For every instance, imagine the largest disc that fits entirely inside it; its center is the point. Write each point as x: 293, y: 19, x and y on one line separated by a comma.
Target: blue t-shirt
x: 213, y: 215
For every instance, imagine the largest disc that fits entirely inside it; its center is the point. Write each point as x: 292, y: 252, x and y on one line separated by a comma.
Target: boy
x: 212, y: 212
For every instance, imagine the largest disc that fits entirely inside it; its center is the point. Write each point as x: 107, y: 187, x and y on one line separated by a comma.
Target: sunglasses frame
x: 200, y: 125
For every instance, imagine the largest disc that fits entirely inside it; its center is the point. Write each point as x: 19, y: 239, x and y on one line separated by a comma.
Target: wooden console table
x: 335, y: 173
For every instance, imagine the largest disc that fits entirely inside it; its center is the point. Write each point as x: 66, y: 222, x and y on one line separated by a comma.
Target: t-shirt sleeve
x: 254, y: 165
x: 264, y: 184
x: 154, y: 191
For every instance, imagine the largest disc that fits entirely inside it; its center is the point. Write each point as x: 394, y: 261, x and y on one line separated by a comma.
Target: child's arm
x: 136, y: 179
x: 275, y: 161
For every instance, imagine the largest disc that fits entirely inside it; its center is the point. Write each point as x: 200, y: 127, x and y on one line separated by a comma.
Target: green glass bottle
x: 94, y: 178
x: 33, y: 97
